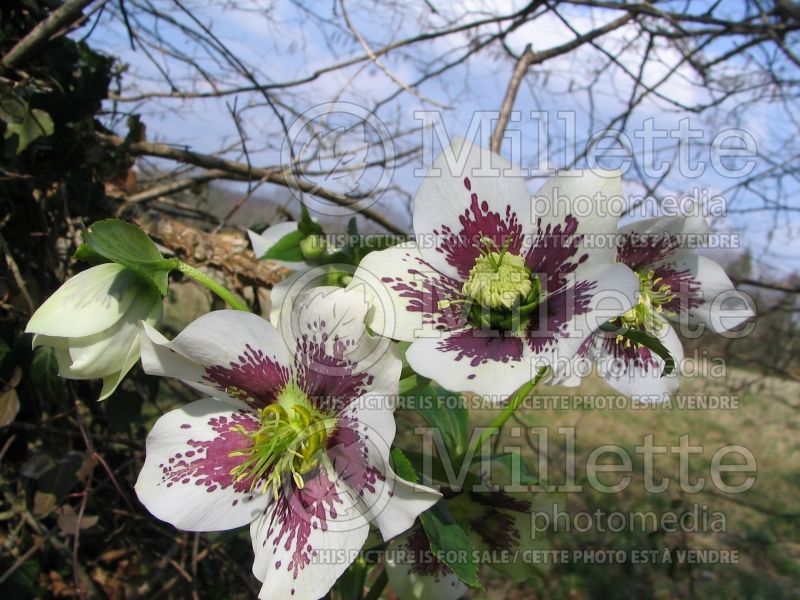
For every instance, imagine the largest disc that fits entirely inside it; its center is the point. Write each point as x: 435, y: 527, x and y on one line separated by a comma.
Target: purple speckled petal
x: 477, y: 194
x: 566, y: 318
x: 636, y: 372
x: 489, y: 363
x: 359, y: 451
x: 186, y: 478
x: 646, y: 241
x: 307, y: 538
x: 703, y: 292
x: 405, y: 292
x: 223, y: 350
x: 336, y: 359
x: 575, y: 214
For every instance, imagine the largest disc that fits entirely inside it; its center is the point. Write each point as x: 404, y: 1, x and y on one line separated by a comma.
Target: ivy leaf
x: 127, y: 245
x: 643, y: 338
x: 451, y: 544
x: 287, y: 248
x: 36, y: 123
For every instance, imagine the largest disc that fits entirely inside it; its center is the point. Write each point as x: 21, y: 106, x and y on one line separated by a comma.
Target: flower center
x: 289, y: 442
x: 653, y: 295
x: 498, y: 280
x: 500, y: 290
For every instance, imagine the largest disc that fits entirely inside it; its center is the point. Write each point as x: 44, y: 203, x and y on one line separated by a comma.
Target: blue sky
x: 286, y: 42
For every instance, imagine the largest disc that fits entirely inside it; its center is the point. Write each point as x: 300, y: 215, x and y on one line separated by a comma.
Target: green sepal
x: 126, y: 244
x: 306, y: 225
x: 643, y: 338
x: 287, y: 248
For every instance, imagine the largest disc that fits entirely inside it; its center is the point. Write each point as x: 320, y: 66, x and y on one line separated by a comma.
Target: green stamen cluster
x: 647, y: 314
x: 289, y: 441
x: 500, y: 290
x: 498, y: 280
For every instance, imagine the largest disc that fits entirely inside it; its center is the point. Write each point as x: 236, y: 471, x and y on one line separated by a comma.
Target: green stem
x: 514, y: 402
x: 219, y: 289
x: 377, y: 588
x: 409, y: 383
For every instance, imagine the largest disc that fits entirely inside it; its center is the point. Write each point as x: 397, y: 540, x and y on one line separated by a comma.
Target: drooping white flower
x: 676, y: 285
x: 294, y: 439
x: 92, y: 323
x: 491, y: 291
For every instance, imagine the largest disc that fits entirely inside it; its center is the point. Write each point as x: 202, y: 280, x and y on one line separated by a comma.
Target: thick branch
x: 64, y: 16
x: 243, y: 171
x: 511, y: 95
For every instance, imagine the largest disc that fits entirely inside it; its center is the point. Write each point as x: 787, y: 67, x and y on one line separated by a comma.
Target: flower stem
x: 220, y: 290
x: 377, y: 587
x: 514, y: 402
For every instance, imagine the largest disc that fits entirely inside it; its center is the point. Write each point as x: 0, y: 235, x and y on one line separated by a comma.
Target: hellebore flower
x: 293, y: 441
x: 675, y: 284
x: 492, y: 290
x: 92, y: 323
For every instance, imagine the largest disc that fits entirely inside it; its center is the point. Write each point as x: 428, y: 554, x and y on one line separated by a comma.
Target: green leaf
x: 35, y: 124
x: 89, y: 256
x: 13, y: 109
x: 287, y: 248
x: 129, y: 246
x: 44, y: 373
x: 451, y: 544
x: 402, y: 466
x: 444, y: 411
x: 645, y: 339
x: 307, y: 226
x: 351, y: 584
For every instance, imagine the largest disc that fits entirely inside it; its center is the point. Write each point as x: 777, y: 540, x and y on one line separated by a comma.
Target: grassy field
x: 761, y: 525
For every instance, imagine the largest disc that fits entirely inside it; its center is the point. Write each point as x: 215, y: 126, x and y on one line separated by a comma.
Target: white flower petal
x: 88, y: 303
x: 222, y: 352
x: 283, y: 293
x: 405, y: 294
x: 483, y: 362
x: 335, y: 355
x: 648, y: 241
x: 703, y: 292
x: 637, y: 372
x: 186, y: 477
x: 478, y: 194
x: 360, y: 453
x: 593, y: 297
x: 103, y: 353
x: 576, y: 214
x: 671, y: 226
x: 307, y: 538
